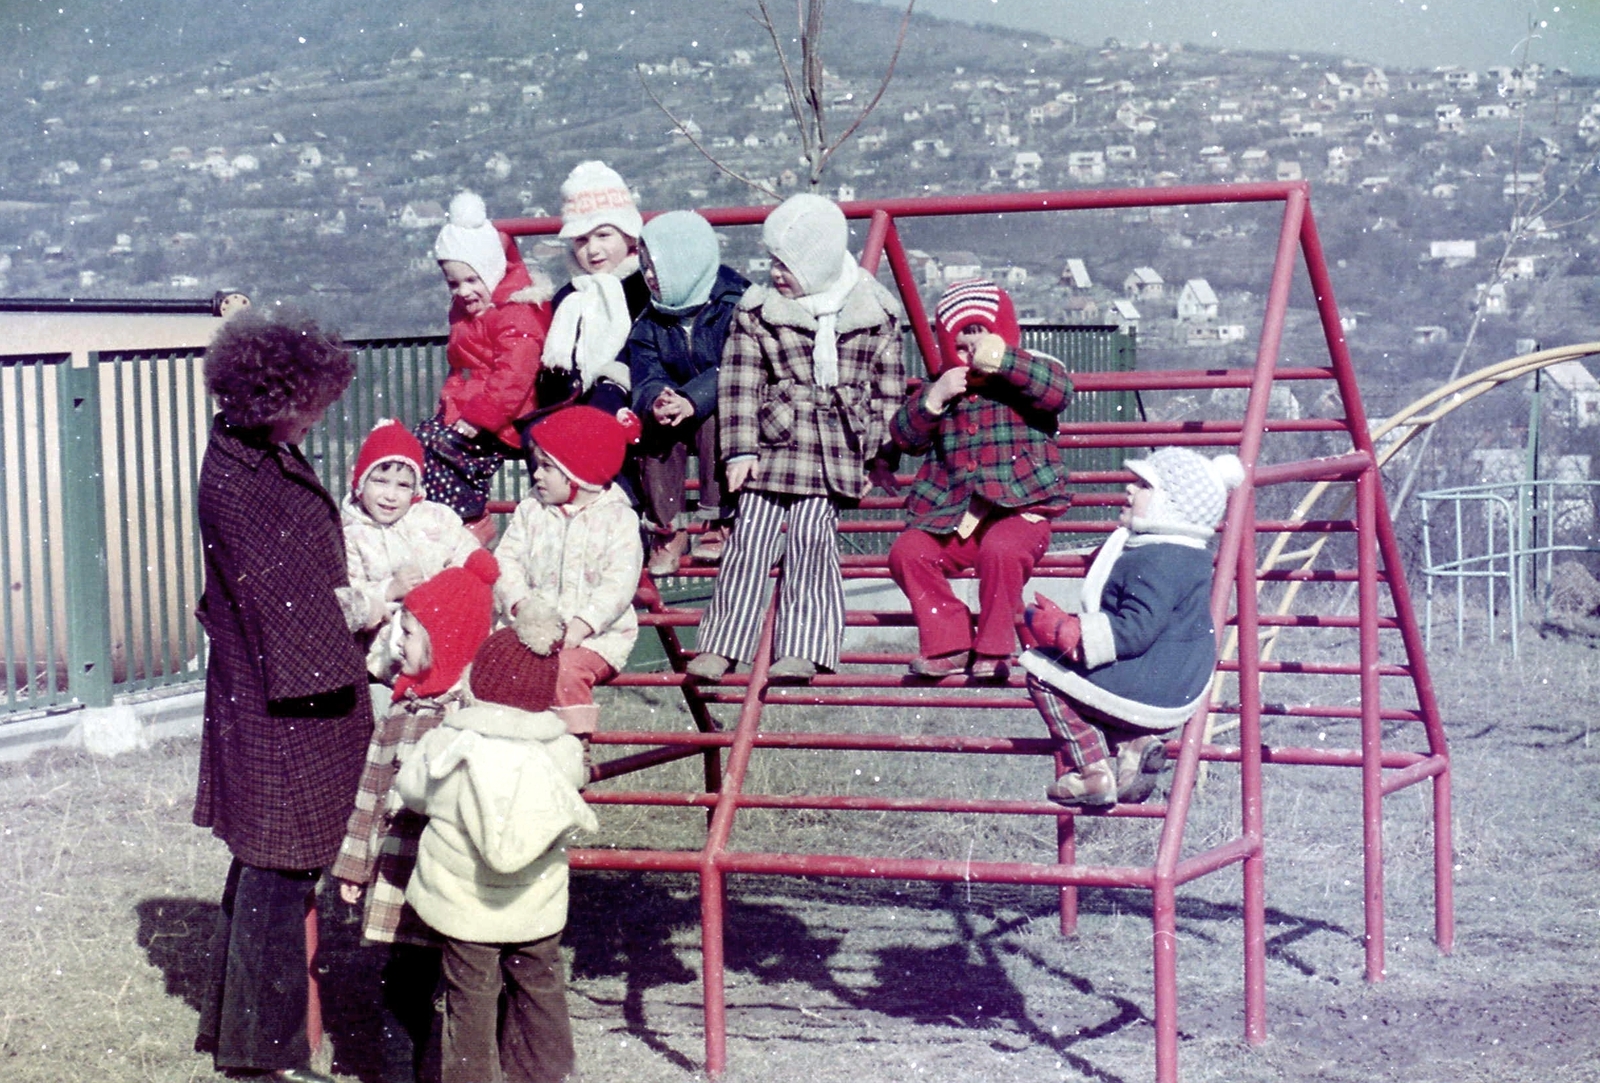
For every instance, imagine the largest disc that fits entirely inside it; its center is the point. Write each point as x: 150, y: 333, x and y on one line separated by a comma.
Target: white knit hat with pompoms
x: 469, y: 237
x: 1191, y: 491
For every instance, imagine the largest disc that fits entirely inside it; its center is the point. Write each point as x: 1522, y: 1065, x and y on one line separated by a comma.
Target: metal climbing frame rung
x: 1263, y: 569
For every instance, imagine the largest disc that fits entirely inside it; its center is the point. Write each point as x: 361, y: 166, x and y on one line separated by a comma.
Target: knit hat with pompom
x: 506, y: 671
x: 469, y: 237
x: 587, y: 443
x: 455, y: 607
x: 1191, y: 491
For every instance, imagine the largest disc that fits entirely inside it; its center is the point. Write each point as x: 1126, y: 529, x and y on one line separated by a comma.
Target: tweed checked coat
x: 287, y: 716
x: 809, y: 440
x: 997, y: 443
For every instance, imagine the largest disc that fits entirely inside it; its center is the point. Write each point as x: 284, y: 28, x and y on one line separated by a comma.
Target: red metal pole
x: 1371, y: 723
x: 1251, y: 810
x: 712, y: 885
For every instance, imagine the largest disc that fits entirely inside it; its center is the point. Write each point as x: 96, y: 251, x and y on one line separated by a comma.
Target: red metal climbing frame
x: 875, y: 680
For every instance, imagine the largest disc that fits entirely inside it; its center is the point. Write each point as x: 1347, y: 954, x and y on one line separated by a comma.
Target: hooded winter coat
x: 499, y: 786
x: 494, y: 357
x: 660, y: 354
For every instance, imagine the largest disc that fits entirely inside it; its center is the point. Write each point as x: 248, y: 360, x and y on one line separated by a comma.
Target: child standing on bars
x: 571, y: 554
x: 1136, y: 659
x: 394, y: 540
x: 675, y: 354
x: 443, y: 622
x: 811, y: 372
x: 987, y: 492
x: 499, y: 315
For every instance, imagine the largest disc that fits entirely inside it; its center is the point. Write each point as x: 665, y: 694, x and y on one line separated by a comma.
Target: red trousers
x: 1004, y: 550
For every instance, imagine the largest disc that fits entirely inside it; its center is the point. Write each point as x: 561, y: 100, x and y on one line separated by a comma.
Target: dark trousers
x: 534, y: 1044
x: 458, y: 470
x: 663, y: 458
x: 254, y: 1013
x: 406, y: 1014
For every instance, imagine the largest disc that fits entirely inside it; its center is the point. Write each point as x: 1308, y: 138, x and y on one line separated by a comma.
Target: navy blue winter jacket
x: 660, y: 354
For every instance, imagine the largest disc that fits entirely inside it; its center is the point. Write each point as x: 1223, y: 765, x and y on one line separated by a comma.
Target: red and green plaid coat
x: 808, y: 440
x: 997, y: 442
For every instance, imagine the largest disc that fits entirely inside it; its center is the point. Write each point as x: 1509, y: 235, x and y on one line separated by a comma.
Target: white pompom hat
x: 1191, y: 491
x: 594, y: 195
x: 469, y: 237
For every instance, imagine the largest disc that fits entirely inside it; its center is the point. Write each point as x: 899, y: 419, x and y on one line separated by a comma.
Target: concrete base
x: 129, y: 724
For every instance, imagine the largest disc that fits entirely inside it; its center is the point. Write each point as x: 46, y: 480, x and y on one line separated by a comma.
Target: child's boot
x: 1092, y: 787
x: 1140, y: 763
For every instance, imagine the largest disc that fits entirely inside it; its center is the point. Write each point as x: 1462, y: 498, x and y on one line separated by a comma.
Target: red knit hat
x: 506, y: 671
x: 974, y: 300
x: 587, y: 443
x: 388, y: 442
x: 455, y: 607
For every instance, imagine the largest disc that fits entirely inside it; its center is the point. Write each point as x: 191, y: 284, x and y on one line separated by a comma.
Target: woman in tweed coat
x: 985, y: 497
x: 811, y: 371
x: 286, y: 716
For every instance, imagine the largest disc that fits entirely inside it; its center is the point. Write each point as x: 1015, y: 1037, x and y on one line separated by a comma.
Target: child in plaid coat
x: 811, y: 371
x: 992, y: 482
x: 444, y: 621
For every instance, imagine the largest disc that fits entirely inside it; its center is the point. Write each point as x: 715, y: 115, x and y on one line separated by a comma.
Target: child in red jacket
x: 498, y: 319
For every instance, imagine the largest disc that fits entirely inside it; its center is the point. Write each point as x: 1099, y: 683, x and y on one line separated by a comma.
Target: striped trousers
x: 811, y: 596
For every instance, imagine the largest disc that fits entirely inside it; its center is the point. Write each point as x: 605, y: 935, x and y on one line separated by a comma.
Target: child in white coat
x: 498, y: 781
x: 572, y: 553
x: 394, y: 540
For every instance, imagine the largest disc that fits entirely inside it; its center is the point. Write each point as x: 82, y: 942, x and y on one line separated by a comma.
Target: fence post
x: 83, y: 521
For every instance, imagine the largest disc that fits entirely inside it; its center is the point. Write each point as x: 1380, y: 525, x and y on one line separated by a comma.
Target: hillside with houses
x: 320, y: 181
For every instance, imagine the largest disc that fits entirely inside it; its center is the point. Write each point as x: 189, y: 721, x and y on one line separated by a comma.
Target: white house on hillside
x: 1144, y: 284
x: 1197, y: 301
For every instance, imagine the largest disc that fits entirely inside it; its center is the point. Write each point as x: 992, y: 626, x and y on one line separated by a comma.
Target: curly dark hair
x: 261, y: 368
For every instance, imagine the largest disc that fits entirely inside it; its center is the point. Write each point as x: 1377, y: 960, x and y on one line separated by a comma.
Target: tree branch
x: 684, y: 128
x: 894, y: 58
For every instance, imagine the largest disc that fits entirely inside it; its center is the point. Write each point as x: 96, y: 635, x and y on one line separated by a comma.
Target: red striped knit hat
x: 974, y: 300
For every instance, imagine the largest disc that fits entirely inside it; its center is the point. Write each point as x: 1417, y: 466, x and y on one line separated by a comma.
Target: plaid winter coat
x: 810, y: 441
x: 287, y: 716
x: 997, y: 443
x: 379, y: 849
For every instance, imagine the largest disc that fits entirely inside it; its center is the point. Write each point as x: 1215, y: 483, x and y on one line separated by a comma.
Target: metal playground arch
x: 1393, y: 690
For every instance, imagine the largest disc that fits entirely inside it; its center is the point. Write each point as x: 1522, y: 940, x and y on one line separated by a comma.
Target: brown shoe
x: 665, y: 557
x: 939, y: 665
x: 708, y: 547
x: 1091, y: 787
x: 991, y: 667
x: 708, y: 667
x: 792, y: 669
x: 1140, y: 763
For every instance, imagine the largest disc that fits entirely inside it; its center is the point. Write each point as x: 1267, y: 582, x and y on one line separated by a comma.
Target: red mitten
x: 1052, y: 626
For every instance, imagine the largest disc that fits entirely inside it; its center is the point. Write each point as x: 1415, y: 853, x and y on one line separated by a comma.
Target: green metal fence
x: 98, y: 466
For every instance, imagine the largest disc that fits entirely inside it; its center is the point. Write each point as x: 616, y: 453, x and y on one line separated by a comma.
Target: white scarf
x: 823, y: 306
x: 1094, y: 580
x: 590, y: 327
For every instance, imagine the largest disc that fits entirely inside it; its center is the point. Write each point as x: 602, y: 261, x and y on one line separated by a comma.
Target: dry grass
x: 107, y: 896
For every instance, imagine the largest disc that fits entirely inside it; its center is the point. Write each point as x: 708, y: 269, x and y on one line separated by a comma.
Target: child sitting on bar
x: 1136, y: 658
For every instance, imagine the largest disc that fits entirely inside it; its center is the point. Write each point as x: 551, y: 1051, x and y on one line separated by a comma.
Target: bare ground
x: 108, y: 895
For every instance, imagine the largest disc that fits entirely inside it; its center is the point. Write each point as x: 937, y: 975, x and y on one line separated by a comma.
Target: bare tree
x: 804, y: 89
